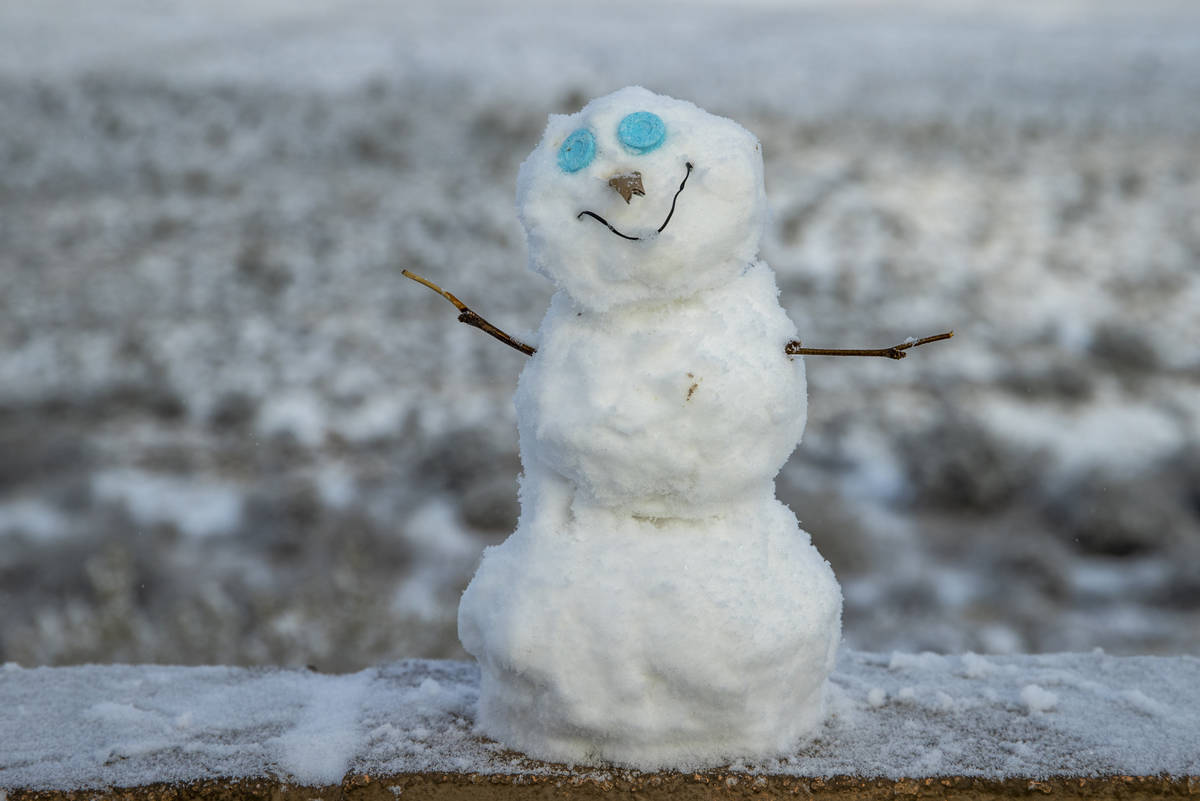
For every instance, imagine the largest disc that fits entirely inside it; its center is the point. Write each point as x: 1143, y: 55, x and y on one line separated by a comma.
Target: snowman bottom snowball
x: 656, y: 607
x: 654, y: 644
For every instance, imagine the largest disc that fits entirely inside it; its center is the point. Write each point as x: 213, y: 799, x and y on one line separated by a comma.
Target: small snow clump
x: 1037, y: 700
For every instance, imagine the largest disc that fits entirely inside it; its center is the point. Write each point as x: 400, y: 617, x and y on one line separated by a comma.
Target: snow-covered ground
x: 230, y: 432
x: 904, y: 715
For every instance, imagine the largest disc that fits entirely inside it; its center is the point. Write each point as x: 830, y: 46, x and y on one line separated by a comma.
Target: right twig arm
x: 794, y: 348
x: 465, y: 315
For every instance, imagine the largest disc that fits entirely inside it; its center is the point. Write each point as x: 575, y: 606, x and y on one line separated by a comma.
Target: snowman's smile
x: 670, y: 214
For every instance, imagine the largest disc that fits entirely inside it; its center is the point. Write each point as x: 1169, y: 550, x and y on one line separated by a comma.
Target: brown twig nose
x: 627, y: 185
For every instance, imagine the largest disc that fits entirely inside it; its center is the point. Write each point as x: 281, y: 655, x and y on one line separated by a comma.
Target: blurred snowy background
x: 231, y: 432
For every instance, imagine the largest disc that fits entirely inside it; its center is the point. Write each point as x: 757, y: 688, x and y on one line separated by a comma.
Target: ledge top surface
x: 890, y: 716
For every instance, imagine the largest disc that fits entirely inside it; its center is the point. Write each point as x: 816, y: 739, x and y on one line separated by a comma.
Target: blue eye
x: 577, y: 151
x: 642, y: 131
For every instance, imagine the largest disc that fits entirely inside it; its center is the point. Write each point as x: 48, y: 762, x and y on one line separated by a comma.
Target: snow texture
x: 204, y: 208
x: 713, y: 234
x: 657, y: 605
x: 907, y: 715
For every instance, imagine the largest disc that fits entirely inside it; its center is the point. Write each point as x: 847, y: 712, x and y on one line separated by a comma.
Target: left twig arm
x: 465, y: 315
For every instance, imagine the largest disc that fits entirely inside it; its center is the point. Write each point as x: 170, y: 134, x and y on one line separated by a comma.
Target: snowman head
x: 640, y: 197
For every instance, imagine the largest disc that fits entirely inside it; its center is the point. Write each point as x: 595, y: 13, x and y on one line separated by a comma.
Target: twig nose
x: 627, y: 184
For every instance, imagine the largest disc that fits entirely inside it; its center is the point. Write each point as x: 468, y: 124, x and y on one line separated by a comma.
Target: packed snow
x: 203, y: 214
x: 904, y: 715
x: 656, y: 604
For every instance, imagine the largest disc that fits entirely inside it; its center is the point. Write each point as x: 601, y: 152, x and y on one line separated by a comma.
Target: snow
x: 711, y: 237
x: 1089, y: 439
x: 670, y: 409
x: 33, y: 519
x: 1037, y: 700
x: 325, y: 736
x: 297, y: 414
x: 194, y: 507
x: 204, y: 209
x: 657, y: 605
x: 894, y: 716
x: 654, y: 643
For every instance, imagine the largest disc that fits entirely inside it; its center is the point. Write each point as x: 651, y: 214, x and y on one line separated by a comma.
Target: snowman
x: 657, y: 606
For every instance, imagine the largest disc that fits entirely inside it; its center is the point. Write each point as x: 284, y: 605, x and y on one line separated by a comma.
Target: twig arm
x: 795, y: 348
x: 465, y: 315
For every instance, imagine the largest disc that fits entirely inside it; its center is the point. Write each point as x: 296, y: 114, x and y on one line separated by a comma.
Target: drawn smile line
x: 670, y: 214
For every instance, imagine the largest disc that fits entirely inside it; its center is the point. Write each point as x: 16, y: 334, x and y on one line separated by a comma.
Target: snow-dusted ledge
x: 1069, y: 724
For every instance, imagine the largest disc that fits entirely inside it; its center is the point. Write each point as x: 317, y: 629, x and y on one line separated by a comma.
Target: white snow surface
x: 904, y: 715
x: 657, y: 605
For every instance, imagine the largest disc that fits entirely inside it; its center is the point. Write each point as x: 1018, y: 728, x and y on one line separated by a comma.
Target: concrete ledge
x: 1069, y: 725
x: 710, y: 785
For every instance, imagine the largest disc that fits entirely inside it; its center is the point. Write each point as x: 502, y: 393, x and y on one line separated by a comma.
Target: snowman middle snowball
x: 657, y: 606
